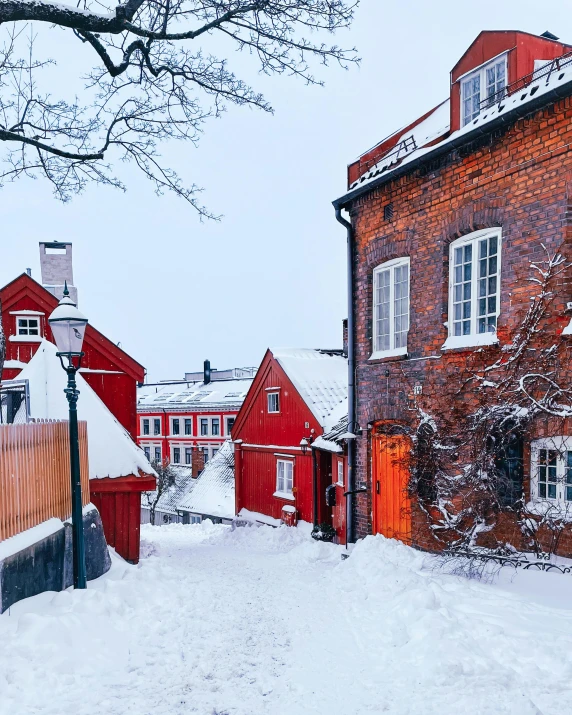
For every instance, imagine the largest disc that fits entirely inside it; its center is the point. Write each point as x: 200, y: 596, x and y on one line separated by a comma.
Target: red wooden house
x: 111, y: 372
x: 297, y: 396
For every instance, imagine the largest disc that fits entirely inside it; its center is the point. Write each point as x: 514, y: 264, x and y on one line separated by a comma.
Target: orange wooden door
x: 391, y: 504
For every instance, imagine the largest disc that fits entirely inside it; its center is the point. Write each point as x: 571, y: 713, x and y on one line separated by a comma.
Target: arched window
x: 474, y: 289
x: 390, y: 308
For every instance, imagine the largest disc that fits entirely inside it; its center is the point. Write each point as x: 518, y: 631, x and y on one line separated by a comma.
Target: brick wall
x: 519, y: 179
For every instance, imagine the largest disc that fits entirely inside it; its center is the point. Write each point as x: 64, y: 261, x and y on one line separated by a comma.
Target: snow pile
x: 321, y: 379
x: 262, y: 621
x: 212, y: 493
x: 112, y: 452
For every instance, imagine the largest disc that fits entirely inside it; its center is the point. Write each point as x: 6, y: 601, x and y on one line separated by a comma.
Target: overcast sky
x: 175, y: 291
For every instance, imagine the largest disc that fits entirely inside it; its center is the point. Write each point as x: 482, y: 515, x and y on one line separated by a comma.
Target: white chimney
x: 56, y: 268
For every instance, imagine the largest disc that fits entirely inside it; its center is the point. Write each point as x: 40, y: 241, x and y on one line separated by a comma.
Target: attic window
x: 483, y: 88
x: 28, y: 326
x: 388, y: 212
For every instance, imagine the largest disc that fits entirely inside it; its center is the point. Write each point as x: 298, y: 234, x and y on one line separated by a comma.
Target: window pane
x: 401, y: 305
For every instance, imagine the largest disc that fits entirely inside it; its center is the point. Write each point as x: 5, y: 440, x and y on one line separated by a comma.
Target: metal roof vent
x: 549, y: 36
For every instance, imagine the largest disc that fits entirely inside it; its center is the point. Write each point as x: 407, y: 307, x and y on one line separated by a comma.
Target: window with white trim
x: 145, y: 423
x: 157, y: 426
x: 391, y: 308
x: 552, y: 471
x: 158, y: 454
x: 175, y: 425
x: 27, y: 326
x: 229, y: 425
x: 340, y: 472
x: 188, y: 455
x: 215, y: 426
x: 284, y: 476
x: 204, y: 426
x: 147, y: 451
x: 483, y: 88
x: 474, y: 287
x: 188, y: 426
x: 273, y: 399
x: 176, y: 455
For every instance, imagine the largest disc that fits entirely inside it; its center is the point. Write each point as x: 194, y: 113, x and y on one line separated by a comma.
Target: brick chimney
x: 56, y: 268
x: 198, y: 461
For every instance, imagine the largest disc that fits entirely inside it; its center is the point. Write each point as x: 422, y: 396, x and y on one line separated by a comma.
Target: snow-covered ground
x: 265, y: 621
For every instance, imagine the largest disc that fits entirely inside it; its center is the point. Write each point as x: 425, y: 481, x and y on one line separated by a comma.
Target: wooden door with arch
x: 390, y: 478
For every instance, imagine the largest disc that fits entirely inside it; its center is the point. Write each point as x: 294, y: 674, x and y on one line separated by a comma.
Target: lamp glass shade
x: 68, y: 327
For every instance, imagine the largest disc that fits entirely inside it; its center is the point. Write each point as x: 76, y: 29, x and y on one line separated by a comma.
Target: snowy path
x: 267, y: 622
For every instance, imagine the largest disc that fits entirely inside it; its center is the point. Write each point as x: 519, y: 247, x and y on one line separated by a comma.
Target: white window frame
x: 190, y: 434
x: 561, y: 445
x: 26, y: 338
x: 155, y: 447
x: 147, y: 447
x: 200, y: 432
x: 390, y: 266
x: 284, y: 493
x: 142, y: 430
x: 340, y: 472
x: 188, y: 450
x: 474, y: 338
x: 270, y: 395
x: 481, y: 73
x: 226, y: 428
x: 171, y: 431
x: 212, y: 419
x: 160, y: 432
x: 173, y: 448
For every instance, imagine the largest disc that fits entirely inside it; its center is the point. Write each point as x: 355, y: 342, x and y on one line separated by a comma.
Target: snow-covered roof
x: 192, y: 396
x: 437, y: 123
x: 170, y: 498
x: 111, y: 451
x: 320, y: 377
x: 212, y: 493
x: 333, y: 441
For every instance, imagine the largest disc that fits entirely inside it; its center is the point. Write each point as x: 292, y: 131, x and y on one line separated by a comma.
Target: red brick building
x: 289, y: 439
x: 460, y: 239
x: 109, y: 371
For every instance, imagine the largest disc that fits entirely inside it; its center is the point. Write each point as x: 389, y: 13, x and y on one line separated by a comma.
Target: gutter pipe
x: 350, y: 498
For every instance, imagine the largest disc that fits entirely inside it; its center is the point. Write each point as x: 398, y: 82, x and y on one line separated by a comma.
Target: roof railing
x: 546, y: 71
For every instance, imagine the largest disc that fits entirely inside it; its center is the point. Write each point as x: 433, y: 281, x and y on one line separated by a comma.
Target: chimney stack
x: 56, y: 268
x: 207, y: 372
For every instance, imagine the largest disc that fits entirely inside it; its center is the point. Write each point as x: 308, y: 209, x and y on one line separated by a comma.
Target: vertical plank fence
x: 35, y: 482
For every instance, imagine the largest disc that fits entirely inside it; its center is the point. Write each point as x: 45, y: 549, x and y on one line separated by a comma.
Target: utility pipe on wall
x: 351, y: 379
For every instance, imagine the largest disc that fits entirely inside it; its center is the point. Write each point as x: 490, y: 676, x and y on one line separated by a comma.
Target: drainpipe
x: 350, y: 498
x: 315, y: 484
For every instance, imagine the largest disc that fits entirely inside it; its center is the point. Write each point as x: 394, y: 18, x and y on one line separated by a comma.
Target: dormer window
x: 482, y: 88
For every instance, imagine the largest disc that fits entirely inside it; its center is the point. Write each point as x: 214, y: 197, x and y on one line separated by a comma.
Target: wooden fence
x: 35, y: 482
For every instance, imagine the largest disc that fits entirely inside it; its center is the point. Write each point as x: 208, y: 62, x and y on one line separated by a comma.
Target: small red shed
x: 109, y: 371
x: 296, y: 396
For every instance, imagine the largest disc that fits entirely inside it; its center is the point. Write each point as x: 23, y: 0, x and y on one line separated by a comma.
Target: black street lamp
x: 68, y: 327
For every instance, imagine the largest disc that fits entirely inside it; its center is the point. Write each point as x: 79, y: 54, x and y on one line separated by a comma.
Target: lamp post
x: 68, y: 327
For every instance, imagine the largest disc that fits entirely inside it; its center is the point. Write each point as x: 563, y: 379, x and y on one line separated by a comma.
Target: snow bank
x: 266, y: 622
x: 112, y: 452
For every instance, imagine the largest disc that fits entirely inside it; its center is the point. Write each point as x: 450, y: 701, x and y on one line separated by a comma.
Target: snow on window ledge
x: 25, y: 338
x: 568, y: 329
x: 470, y: 341
x: 380, y: 354
x: 284, y: 495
